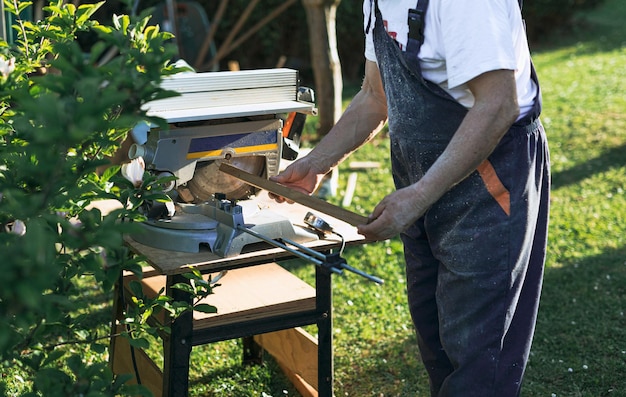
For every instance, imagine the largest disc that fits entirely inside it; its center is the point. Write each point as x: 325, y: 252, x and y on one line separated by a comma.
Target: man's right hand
x: 360, y: 122
x: 299, y: 175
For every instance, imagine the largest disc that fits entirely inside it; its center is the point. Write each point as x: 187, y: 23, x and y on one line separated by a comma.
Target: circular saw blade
x: 208, y: 179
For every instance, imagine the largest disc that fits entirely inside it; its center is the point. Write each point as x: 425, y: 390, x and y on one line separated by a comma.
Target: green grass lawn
x: 580, y: 345
x: 580, y: 342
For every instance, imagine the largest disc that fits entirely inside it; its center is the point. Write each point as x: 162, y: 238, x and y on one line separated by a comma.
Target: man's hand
x: 300, y: 175
x: 394, y: 214
x: 360, y: 122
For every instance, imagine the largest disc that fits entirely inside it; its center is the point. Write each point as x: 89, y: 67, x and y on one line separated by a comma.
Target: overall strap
x: 369, y: 20
x: 416, y: 21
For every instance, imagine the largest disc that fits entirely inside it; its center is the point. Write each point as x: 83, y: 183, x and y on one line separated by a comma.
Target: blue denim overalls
x: 474, y: 261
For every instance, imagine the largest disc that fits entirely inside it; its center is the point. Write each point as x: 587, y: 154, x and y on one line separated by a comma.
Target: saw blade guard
x: 193, y: 152
x: 250, y: 118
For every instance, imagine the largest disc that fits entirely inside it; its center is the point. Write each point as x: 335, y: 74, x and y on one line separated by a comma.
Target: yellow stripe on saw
x: 241, y: 150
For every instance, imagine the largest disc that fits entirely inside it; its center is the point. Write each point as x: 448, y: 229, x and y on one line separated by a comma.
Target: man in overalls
x: 455, y: 83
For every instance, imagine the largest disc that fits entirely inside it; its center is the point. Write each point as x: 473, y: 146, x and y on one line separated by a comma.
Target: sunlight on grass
x: 580, y: 342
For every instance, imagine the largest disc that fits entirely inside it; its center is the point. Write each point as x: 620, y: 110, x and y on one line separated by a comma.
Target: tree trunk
x: 321, y: 18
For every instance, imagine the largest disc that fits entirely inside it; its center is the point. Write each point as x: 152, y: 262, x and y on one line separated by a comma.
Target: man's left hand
x: 393, y: 215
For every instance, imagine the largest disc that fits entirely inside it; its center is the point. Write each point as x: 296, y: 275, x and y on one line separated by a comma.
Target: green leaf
x: 52, y: 379
x: 23, y: 5
x: 145, y: 316
x: 136, y: 288
x: 193, y: 275
x: 53, y: 356
x: 184, y: 287
x: 140, y: 343
x: 75, y: 363
x: 85, y: 11
x: 201, y: 283
x: 205, y: 308
x: 70, y: 8
x: 98, y: 348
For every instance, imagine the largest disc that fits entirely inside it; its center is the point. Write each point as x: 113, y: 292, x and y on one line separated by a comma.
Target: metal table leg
x: 177, y: 346
x: 324, y: 300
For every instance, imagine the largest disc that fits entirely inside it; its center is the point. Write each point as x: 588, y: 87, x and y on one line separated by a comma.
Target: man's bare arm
x: 361, y: 121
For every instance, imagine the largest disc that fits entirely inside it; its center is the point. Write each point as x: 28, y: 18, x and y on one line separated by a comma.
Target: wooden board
x: 327, y: 208
x: 245, y: 294
x: 295, y: 350
x: 122, y: 363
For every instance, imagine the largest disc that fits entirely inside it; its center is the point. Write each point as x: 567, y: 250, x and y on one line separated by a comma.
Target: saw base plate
x: 219, y: 238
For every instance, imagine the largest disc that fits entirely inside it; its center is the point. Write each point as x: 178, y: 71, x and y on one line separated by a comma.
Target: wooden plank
x: 245, y: 294
x: 149, y: 373
x: 350, y: 188
x: 352, y: 218
x: 363, y: 165
x: 296, y: 352
x: 304, y: 388
x: 256, y: 292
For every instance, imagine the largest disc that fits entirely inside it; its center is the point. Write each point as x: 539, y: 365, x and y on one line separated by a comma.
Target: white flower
x: 6, y: 67
x: 134, y: 170
x: 16, y: 227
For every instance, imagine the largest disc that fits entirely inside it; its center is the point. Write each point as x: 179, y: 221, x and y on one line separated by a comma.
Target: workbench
x: 277, y: 300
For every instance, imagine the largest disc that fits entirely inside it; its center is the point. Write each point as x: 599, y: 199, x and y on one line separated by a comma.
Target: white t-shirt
x: 463, y: 39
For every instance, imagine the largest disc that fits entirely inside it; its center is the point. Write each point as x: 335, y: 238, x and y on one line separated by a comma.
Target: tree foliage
x: 287, y: 34
x: 62, y: 112
x: 545, y: 16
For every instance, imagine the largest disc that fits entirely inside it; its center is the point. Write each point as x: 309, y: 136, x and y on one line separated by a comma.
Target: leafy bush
x: 62, y: 112
x: 545, y: 16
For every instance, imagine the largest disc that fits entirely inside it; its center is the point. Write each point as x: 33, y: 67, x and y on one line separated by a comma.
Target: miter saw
x: 251, y: 119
